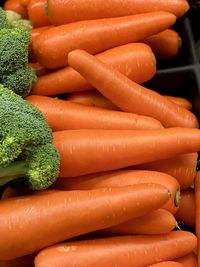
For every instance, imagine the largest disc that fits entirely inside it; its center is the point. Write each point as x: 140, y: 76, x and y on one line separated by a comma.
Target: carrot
x: 15, y: 6
x: 25, y: 261
x: 60, y: 12
x: 182, y: 102
x: 186, y: 211
x: 189, y: 260
x: 37, y: 14
x: 66, y: 214
x: 9, y: 192
x: 128, y: 95
x: 121, y: 178
x: 165, y: 44
x: 135, y: 60
x: 197, y: 213
x: 24, y: 3
x: 167, y: 264
x: 39, y: 69
x: 53, y: 45
x: 91, y: 151
x: 126, y: 251
x: 157, y: 222
x: 182, y: 167
x: 65, y: 115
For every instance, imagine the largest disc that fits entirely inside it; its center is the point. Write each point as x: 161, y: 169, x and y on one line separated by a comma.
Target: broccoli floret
x: 21, y: 81
x: 14, y: 45
x: 26, y: 149
x: 3, y: 19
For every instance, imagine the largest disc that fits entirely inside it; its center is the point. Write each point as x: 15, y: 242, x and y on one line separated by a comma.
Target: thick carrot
x: 182, y: 102
x: 165, y: 44
x: 15, y: 6
x: 42, y: 220
x: 39, y: 69
x: 124, y: 178
x: 189, y: 260
x: 126, y: 251
x: 197, y: 213
x: 25, y: 261
x: 66, y: 115
x: 91, y: 151
x: 53, y: 45
x: 24, y: 3
x: 167, y: 264
x: 186, y: 211
x: 157, y: 222
x: 37, y: 14
x: 182, y: 167
x: 128, y: 95
x: 135, y: 60
x: 61, y: 12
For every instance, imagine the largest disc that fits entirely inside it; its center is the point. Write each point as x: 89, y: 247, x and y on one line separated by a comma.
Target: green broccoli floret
x: 3, y: 19
x: 21, y: 81
x: 26, y: 149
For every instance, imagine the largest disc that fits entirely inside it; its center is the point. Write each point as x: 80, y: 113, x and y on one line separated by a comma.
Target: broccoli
x: 26, y: 148
x: 3, y: 19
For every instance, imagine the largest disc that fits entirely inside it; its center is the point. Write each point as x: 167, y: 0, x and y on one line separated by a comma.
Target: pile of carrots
x: 128, y: 181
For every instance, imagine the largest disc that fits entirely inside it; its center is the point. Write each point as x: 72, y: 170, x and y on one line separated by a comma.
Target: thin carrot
x: 197, y: 213
x: 135, y: 60
x: 165, y: 45
x: 37, y: 14
x: 66, y: 115
x: 182, y: 102
x: 15, y: 6
x: 189, y: 260
x: 128, y: 95
x: 66, y: 214
x: 91, y: 151
x: 25, y: 261
x: 126, y: 251
x: 39, y: 69
x: 61, y: 12
x: 186, y: 211
x: 53, y: 45
x: 121, y: 178
x: 167, y: 264
x: 182, y: 167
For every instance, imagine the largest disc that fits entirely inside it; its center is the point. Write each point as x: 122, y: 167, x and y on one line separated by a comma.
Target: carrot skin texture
x: 65, y: 115
x: 186, y: 211
x: 128, y: 95
x: 60, y: 12
x: 182, y: 102
x: 126, y: 251
x: 92, y: 151
x: 53, y: 45
x: 15, y: 6
x: 197, y: 213
x: 58, y: 208
x: 167, y: 264
x: 189, y: 260
x: 135, y: 60
x: 122, y: 178
x: 36, y: 13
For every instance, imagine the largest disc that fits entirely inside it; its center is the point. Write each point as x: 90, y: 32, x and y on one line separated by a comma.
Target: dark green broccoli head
x: 3, y: 19
x: 21, y: 81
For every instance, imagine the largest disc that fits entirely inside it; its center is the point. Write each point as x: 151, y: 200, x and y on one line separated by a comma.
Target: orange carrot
x: 165, y: 44
x: 39, y: 69
x: 135, y: 60
x: 182, y: 167
x: 61, y: 12
x: 53, y: 45
x: 65, y: 115
x: 25, y: 261
x: 124, y: 178
x: 66, y: 214
x: 128, y: 95
x: 197, y: 212
x: 24, y: 3
x: 37, y: 14
x: 167, y: 264
x: 186, y: 211
x: 91, y: 151
x: 189, y: 260
x: 15, y: 6
x: 157, y: 222
x: 126, y: 251
x: 182, y: 102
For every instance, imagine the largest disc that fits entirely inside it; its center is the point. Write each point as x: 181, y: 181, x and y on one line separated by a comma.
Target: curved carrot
x: 37, y: 14
x: 186, y: 211
x: 135, y: 60
x: 167, y: 264
x: 189, y: 260
x: 165, y: 45
x: 91, y: 151
x: 157, y: 222
x: 65, y: 115
x: 15, y: 6
x: 128, y: 95
x: 63, y: 215
x: 182, y: 102
x: 39, y: 69
x: 61, y: 12
x: 25, y: 261
x: 126, y: 251
x: 124, y: 178
x: 182, y: 167
x: 197, y: 213
x: 53, y: 45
